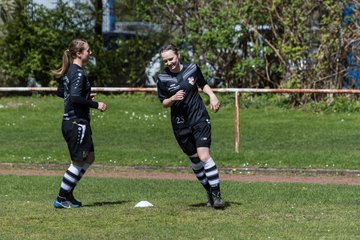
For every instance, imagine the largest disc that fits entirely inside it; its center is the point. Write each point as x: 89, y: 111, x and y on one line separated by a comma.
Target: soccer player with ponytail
x: 75, y: 88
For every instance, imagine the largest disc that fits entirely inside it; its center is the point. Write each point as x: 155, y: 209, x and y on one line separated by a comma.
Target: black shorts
x: 197, y: 136
x: 77, y: 134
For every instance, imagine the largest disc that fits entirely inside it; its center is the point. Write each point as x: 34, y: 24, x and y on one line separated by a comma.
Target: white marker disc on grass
x: 143, y: 204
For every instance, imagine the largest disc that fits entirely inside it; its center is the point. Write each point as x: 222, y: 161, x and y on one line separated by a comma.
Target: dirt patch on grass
x: 320, y: 176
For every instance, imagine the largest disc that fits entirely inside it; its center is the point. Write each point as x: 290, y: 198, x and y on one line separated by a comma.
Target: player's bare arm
x: 178, y: 96
x: 214, y: 101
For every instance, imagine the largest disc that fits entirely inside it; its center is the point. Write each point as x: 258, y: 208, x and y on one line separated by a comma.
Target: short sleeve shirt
x: 191, y: 110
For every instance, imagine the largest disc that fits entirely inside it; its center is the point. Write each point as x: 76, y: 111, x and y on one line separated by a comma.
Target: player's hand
x: 92, y: 96
x: 214, y: 103
x: 102, y: 107
x: 180, y: 95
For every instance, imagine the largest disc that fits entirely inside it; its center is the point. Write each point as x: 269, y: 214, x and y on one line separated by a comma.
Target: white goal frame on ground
x: 236, y: 91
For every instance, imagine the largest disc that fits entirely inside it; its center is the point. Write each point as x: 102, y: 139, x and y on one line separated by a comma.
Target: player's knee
x: 77, y: 163
x: 204, y: 157
x: 90, y: 158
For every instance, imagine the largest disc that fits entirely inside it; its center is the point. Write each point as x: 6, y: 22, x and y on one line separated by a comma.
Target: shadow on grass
x: 227, y: 204
x: 99, y: 204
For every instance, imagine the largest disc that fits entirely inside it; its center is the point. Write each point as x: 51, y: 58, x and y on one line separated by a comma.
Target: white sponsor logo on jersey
x: 191, y: 80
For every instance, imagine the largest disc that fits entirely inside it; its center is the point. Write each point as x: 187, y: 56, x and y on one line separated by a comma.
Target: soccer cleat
x: 210, y: 202
x: 218, y: 202
x: 62, y: 202
x: 72, y: 199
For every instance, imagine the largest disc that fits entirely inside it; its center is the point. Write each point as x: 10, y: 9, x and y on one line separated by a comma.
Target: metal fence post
x: 237, y: 123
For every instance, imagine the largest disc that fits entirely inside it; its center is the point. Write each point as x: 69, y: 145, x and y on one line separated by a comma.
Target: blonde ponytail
x: 76, y: 46
x: 66, y: 60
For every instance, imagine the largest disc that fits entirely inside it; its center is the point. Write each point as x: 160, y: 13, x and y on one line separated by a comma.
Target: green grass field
x: 136, y: 131
x: 254, y: 211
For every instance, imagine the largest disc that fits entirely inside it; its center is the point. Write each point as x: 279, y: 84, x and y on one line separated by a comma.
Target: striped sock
x: 71, y: 177
x: 212, y: 175
x: 82, y: 172
x: 84, y: 168
x: 198, y: 169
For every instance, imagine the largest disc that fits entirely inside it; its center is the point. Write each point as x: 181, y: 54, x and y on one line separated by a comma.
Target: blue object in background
x: 353, y: 70
x: 347, y: 13
x: 108, y: 16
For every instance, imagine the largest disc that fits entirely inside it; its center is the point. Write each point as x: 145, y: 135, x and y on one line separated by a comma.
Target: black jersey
x: 191, y: 110
x: 75, y: 89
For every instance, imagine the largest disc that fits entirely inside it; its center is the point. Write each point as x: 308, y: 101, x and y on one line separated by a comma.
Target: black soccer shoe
x: 218, y: 203
x: 72, y: 199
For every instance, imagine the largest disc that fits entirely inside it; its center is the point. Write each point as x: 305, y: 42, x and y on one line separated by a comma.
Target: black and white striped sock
x: 84, y: 169
x: 212, y: 175
x: 71, y: 177
x: 198, y: 168
x: 82, y: 172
